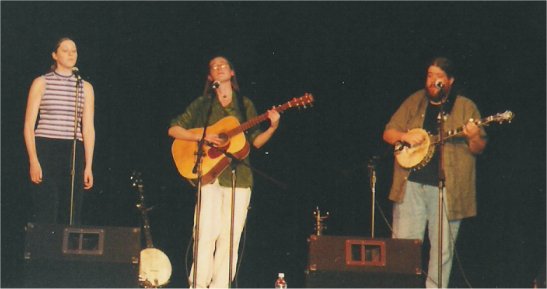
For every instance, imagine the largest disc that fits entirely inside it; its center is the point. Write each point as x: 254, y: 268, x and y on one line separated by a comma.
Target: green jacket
x: 459, y: 162
x: 195, y: 117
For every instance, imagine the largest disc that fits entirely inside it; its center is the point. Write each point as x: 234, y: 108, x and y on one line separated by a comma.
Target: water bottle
x: 280, y: 282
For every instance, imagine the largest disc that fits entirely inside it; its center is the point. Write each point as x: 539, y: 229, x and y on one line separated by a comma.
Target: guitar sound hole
x: 224, y: 138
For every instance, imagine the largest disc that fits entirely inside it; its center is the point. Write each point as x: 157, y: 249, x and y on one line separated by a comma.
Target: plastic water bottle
x: 280, y: 282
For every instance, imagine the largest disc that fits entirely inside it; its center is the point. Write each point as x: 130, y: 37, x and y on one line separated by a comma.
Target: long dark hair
x: 235, y: 86
x: 207, y: 90
x: 55, y: 48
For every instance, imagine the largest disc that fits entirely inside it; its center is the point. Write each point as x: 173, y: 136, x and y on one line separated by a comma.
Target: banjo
x: 417, y: 156
x: 154, y: 267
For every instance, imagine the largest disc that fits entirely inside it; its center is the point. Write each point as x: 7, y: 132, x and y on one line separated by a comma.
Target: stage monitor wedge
x: 358, y: 262
x: 59, y: 256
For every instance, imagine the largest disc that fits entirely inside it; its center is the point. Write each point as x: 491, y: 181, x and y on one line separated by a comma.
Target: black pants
x: 52, y: 198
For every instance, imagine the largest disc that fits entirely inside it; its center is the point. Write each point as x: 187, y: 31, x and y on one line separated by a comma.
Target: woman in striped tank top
x: 58, y: 102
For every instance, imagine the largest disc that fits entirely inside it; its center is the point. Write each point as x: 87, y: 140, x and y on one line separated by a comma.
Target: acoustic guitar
x: 154, y: 268
x: 417, y: 156
x: 215, y: 158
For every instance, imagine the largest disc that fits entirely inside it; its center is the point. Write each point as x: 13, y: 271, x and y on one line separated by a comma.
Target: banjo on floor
x: 155, y: 267
x: 417, y: 156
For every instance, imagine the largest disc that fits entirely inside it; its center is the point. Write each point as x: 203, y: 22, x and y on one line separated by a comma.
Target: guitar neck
x: 295, y: 102
x: 255, y: 121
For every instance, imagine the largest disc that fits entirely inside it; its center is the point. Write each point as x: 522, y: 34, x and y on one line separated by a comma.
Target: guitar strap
x: 449, y: 100
x: 209, y: 111
x: 241, y: 106
x: 241, y: 109
x: 449, y: 104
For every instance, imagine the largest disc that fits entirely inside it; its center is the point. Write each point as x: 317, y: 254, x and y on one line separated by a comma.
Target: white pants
x: 214, y: 234
x: 419, y: 208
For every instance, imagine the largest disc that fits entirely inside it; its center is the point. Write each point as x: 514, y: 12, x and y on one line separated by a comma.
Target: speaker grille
x: 81, y: 256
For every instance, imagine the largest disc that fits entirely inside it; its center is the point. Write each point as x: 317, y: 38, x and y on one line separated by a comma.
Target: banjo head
x: 411, y: 157
x: 155, y: 268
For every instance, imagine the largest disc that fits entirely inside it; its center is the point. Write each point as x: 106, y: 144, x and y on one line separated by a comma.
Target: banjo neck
x: 138, y: 184
x: 500, y: 117
x: 146, y: 222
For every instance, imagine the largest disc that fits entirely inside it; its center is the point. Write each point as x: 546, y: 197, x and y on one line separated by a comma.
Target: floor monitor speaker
x: 357, y: 262
x: 81, y: 256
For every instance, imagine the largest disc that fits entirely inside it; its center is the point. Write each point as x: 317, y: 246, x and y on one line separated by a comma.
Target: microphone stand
x: 372, y: 175
x: 233, y: 163
x: 442, y: 178
x: 73, y: 163
x: 232, y: 217
x: 197, y: 169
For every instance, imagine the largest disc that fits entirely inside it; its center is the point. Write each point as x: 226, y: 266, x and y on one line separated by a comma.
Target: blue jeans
x: 410, y: 217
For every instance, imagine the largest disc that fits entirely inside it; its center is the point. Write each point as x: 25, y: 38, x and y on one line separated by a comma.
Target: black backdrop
x: 147, y: 61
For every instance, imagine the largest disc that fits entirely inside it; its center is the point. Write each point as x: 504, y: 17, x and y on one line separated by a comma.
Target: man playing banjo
x: 415, y: 190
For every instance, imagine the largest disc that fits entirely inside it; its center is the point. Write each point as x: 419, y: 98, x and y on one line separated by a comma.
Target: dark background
x: 148, y: 60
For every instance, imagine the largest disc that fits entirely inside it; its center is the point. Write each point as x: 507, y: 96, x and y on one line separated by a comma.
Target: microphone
x: 76, y: 72
x: 439, y: 84
x: 215, y: 84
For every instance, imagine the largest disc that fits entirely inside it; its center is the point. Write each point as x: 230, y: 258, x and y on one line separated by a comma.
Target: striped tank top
x: 57, y: 108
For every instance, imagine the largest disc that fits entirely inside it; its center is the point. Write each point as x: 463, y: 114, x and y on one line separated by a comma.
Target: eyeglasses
x: 220, y: 66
